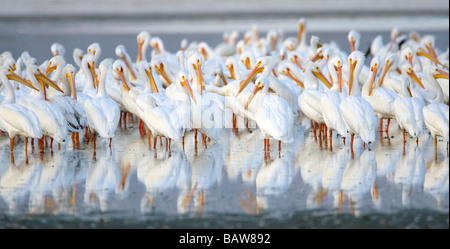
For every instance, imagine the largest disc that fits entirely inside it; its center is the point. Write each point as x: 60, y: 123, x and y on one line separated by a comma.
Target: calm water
x: 226, y: 185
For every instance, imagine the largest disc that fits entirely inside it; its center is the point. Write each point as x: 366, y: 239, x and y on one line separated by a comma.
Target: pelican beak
x: 92, y: 70
x: 246, y: 62
x: 231, y: 69
x: 122, y: 78
x: 185, y: 83
x: 49, y: 68
x: 322, y: 77
x: 386, y: 68
x: 13, y: 67
x: 156, y: 47
x: 317, y: 56
x: 409, y: 91
x: 72, y: 85
x: 42, y: 77
x: 409, y: 58
x: 413, y: 76
x: 441, y: 74
x: 257, y: 69
x: 203, y: 52
x: 352, y: 44
x: 152, y: 80
x: 350, y: 78
x: 257, y: 88
x: 140, y: 44
x: 372, y: 80
x: 292, y: 77
x: 431, y: 50
x: 130, y: 69
x: 273, y: 41
x: 301, y: 31
x: 295, y: 61
x: 163, y: 73
x: 13, y: 76
x: 201, y: 82
x: 423, y: 53
x: 339, y: 73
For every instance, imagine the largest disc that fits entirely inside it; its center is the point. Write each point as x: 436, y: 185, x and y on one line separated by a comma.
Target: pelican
x: 309, y: 100
x: 156, y: 112
x: 436, y: 114
x: 102, y: 112
x: 354, y: 38
x: 331, y: 100
x: 88, y: 85
x: 57, y: 49
x: 95, y: 50
x: 357, y: 113
x: 272, y: 115
x: 206, y: 111
x: 121, y: 52
x: 381, y: 99
x: 408, y: 112
x: 53, y: 122
x: 16, y: 119
x: 143, y: 40
x: 67, y: 102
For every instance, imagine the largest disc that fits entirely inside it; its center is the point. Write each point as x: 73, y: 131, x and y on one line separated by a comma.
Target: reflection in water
x: 227, y: 176
x: 358, y: 179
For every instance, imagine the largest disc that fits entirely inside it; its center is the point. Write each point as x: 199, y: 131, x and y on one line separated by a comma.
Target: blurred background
x: 33, y: 25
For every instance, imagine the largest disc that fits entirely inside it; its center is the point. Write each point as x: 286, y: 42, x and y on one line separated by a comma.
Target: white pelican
x: 205, y: 112
x: 381, y: 99
x: 95, y: 50
x: 143, y: 40
x: 53, y: 122
x: 127, y: 92
x: 121, y: 52
x: 309, y: 100
x: 357, y: 113
x: 272, y: 115
x: 436, y: 114
x: 331, y: 100
x: 58, y: 49
x: 159, y: 116
x: 88, y: 85
x: 72, y: 110
x: 408, y: 109
x: 354, y: 37
x: 166, y: 73
x: 180, y: 95
x: 102, y: 112
x: 16, y: 119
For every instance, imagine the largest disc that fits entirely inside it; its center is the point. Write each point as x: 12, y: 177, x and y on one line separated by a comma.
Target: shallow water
x: 228, y: 184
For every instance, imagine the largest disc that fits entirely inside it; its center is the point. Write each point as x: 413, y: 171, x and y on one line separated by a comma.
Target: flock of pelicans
x: 268, y: 81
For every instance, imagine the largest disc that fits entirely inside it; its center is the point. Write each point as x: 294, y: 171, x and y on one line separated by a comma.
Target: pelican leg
x: 167, y: 144
x: 120, y: 120
x: 435, y: 148
x: 381, y: 125
x: 124, y: 120
x: 331, y: 140
x: 149, y: 139
x: 94, y: 138
x: 325, y: 129
x: 352, y: 137
x: 279, y: 149
x: 160, y: 141
x: 387, y: 127
x: 26, y: 145
x: 32, y: 145
x: 11, y: 142
x: 170, y: 150
x: 110, y: 140
x: 195, y: 137
x: 314, y: 129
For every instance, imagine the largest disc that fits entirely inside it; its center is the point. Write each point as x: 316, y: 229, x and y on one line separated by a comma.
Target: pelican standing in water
x: 53, y: 122
x: 436, y: 114
x: 102, y: 112
x: 16, y: 119
x: 357, y: 113
x: 273, y: 115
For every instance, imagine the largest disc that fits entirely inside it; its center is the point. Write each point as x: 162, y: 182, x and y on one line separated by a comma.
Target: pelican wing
x: 21, y: 119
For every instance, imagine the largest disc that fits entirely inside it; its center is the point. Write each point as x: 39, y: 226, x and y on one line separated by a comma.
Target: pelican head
x: 356, y: 61
x: 7, y: 70
x: 157, y: 44
x: 374, y: 64
x: 248, y: 59
x: 336, y: 63
x: 354, y: 38
x: 57, y: 49
x: 263, y: 65
x: 407, y: 69
x: 391, y: 60
x: 95, y: 50
x: 288, y: 68
x: 145, y: 69
x: 56, y: 61
x: 182, y: 79
x: 407, y: 54
x: 120, y: 72
x: 69, y: 73
x: 313, y: 70
x: 195, y: 62
x: 298, y: 58
x: 78, y: 55
x: 33, y: 70
x: 260, y: 82
x: 143, y: 39
x: 160, y: 63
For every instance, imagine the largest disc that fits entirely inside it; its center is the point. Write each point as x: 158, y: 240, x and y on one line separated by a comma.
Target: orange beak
x: 257, y: 69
